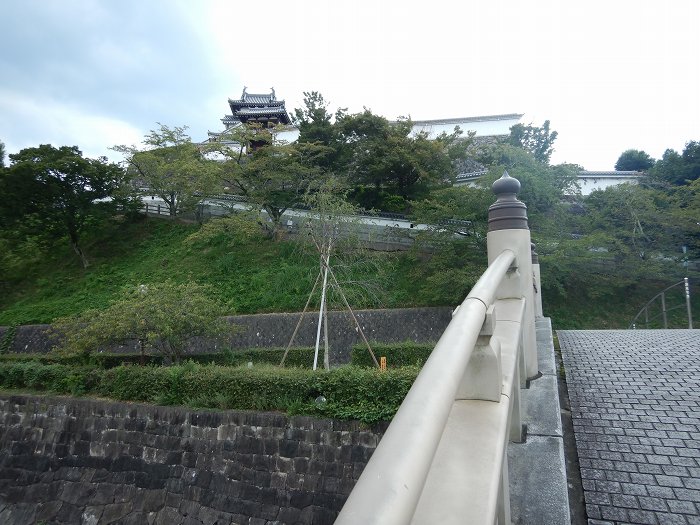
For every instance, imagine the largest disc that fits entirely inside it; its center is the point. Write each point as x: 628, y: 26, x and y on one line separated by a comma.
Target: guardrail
x: 443, y: 458
x: 155, y: 209
x: 664, y: 309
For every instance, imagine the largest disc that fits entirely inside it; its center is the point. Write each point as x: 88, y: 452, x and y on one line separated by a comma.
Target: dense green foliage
x: 172, y: 167
x: 160, y: 316
x: 252, y: 276
x: 397, y: 355
x: 538, y: 141
x: 678, y: 169
x: 351, y: 393
x: 7, y: 339
x: 54, y: 193
x: 299, y: 357
x: 634, y: 160
x: 272, y: 175
x: 384, y: 164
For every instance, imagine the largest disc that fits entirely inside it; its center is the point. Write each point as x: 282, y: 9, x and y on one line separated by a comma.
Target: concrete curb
x: 538, y: 484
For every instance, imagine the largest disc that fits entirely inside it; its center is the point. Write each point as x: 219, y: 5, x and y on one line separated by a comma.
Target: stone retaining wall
x: 65, y: 460
x: 274, y: 330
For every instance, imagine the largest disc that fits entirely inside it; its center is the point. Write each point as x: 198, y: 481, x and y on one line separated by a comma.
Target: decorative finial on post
x: 245, y: 92
x: 533, y: 253
x: 507, y: 213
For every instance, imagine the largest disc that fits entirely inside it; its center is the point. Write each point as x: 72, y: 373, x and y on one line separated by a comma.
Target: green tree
x: 2, y: 154
x: 544, y: 187
x: 539, y: 141
x: 315, y: 122
x: 691, y: 159
x: 172, y: 167
x: 272, y: 175
x: 389, y: 165
x: 457, y: 210
x: 56, y: 192
x: 161, y: 317
x: 678, y: 169
x: 634, y: 160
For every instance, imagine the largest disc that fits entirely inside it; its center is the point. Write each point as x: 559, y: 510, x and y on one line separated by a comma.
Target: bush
x: 61, y: 379
x: 368, y: 395
x: 297, y: 357
x: 397, y: 355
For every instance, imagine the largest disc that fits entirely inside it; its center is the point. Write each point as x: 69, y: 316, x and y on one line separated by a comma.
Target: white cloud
x: 25, y: 123
x: 609, y: 75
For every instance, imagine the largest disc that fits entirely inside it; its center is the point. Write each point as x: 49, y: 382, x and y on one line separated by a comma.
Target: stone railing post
x: 509, y: 230
x: 537, y: 283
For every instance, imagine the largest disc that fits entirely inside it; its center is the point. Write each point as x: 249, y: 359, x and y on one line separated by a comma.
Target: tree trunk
x: 76, y: 248
x: 173, y: 205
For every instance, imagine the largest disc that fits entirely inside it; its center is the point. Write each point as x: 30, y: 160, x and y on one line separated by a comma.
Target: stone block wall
x: 274, y: 330
x: 65, y: 460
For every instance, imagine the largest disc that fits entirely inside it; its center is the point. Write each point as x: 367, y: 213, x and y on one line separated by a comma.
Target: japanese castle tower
x: 259, y: 108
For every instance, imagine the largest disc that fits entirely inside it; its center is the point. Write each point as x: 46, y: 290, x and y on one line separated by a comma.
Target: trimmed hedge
x: 61, y: 379
x: 367, y: 395
x: 397, y: 355
x: 297, y: 357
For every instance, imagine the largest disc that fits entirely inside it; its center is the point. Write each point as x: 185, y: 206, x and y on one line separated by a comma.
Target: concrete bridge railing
x: 443, y: 458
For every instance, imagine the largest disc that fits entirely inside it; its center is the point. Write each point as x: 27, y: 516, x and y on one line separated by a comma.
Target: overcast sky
x: 609, y: 75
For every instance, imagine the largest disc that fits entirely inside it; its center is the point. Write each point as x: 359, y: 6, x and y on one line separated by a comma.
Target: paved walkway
x: 635, y: 403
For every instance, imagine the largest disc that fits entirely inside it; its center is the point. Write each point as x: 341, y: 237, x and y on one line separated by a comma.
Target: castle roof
x: 256, y: 106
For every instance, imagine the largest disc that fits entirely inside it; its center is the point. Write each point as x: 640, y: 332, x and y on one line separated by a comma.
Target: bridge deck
x: 635, y: 403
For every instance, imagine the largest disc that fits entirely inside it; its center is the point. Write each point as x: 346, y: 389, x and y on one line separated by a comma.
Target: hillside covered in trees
x: 71, y: 236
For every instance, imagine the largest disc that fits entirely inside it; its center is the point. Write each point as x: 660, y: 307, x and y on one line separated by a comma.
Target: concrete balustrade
x: 443, y: 458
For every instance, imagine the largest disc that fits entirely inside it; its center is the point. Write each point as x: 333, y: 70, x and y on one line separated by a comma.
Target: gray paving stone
x: 636, y: 412
x: 671, y: 519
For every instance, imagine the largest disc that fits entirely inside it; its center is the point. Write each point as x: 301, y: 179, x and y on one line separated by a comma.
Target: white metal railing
x: 155, y: 209
x: 443, y: 457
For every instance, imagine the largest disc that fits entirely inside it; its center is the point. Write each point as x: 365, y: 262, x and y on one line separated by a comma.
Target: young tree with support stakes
x: 331, y: 229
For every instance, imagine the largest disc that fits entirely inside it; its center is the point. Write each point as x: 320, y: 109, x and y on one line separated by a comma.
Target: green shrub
x: 61, y: 379
x: 301, y: 357
x: 364, y: 394
x: 8, y: 339
x: 397, y: 355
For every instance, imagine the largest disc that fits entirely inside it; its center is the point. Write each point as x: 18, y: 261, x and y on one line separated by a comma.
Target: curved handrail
x: 402, y: 460
x: 662, y: 294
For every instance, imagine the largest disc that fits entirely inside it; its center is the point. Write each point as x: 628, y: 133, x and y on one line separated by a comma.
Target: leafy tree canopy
x: 2, y: 154
x: 159, y: 316
x: 172, y: 167
x: 634, y: 160
x: 543, y: 186
x: 272, y: 175
x: 539, y: 141
x: 678, y: 169
x: 389, y: 165
x: 57, y: 192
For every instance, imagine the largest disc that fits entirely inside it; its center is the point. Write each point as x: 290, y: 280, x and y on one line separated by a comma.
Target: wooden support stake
x: 340, y: 292
x: 301, y: 318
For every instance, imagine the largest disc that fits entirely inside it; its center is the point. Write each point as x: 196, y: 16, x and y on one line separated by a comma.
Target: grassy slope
x: 260, y: 276
x: 255, y: 277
